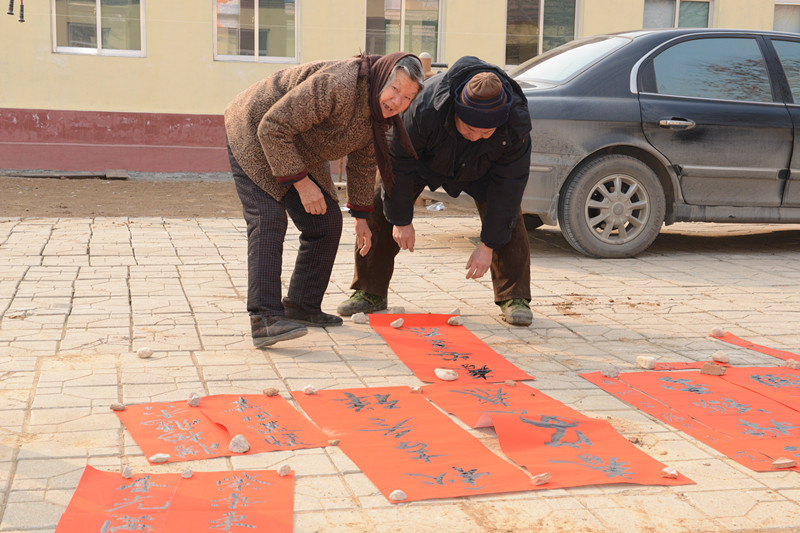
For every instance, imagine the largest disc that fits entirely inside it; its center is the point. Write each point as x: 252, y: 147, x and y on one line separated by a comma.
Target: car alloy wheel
x: 612, y: 207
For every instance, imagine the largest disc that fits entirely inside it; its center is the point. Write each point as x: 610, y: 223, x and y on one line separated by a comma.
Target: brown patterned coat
x: 299, y: 119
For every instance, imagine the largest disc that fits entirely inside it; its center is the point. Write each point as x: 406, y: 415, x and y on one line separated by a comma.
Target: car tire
x: 612, y: 207
x: 532, y: 222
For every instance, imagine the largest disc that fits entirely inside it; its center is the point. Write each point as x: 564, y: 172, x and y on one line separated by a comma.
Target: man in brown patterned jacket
x: 282, y: 132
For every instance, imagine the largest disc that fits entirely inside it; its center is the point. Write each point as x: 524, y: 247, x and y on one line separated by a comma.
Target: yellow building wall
x: 474, y: 27
x: 750, y: 14
x: 607, y: 16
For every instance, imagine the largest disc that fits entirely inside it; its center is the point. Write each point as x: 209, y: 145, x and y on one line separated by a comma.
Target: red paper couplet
x: 544, y: 435
x: 402, y: 442
x: 730, y: 338
x: 746, y: 426
x: 682, y: 366
x: 208, y: 501
x: 190, y: 433
x: 426, y: 342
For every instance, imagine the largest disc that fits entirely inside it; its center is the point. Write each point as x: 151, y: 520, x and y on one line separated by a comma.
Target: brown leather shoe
x: 315, y: 320
x: 267, y: 330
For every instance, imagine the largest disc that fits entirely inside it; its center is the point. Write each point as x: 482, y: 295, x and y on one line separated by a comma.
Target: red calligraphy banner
x: 188, y: 433
x: 730, y: 338
x: 168, y: 503
x: 749, y: 427
x: 402, y: 442
x: 544, y: 435
x: 426, y: 342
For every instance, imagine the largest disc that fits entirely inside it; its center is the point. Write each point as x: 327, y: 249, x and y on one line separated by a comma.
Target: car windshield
x: 560, y: 64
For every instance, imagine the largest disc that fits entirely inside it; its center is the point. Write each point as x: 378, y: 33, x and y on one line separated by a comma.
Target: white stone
x: 271, y: 391
x: 610, y: 371
x: 284, y: 470
x: 669, y: 472
x: 309, y: 389
x: 721, y: 357
x: 510, y: 383
x: 783, y: 462
x: 541, y: 479
x: 717, y: 332
x: 397, y: 323
x: 455, y: 311
x: 416, y: 390
x: 397, y: 310
x: 239, y: 444
x: 127, y: 473
x: 397, y: 495
x: 144, y: 353
x: 159, y: 458
x: 360, y: 318
x: 712, y: 369
x: 455, y: 321
x: 333, y: 442
x: 186, y: 474
x: 793, y: 364
x: 117, y: 406
x: 646, y: 362
x: 446, y: 374
x: 194, y: 399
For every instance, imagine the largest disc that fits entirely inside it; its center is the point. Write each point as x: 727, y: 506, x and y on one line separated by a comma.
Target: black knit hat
x: 483, y: 101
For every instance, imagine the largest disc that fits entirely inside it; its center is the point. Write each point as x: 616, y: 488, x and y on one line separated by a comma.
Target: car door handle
x: 676, y: 123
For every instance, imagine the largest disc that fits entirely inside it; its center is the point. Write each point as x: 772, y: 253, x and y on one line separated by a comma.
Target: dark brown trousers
x: 510, y: 268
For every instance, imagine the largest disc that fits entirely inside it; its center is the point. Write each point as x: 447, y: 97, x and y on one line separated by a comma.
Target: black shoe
x: 267, y: 330
x: 316, y: 320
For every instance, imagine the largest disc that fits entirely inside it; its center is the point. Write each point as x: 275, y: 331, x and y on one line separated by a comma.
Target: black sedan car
x: 639, y: 129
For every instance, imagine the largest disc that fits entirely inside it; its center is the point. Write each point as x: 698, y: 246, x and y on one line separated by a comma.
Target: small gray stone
x: 397, y: 495
x: 117, y: 406
x: 186, y: 474
x: 717, y: 332
x: 194, y: 399
x: 309, y: 389
x: 455, y: 321
x: 455, y: 311
x: 159, y: 458
x: 271, y: 391
x: 333, y: 442
x: 510, y: 383
x: 127, y: 473
x: 712, y: 369
x: 397, y: 310
x: 144, y: 353
x: 360, y: 318
x: 646, y: 362
x: 610, y: 371
x: 793, y: 364
x: 284, y: 470
x: 669, y: 472
x: 541, y: 479
x: 783, y: 462
x: 446, y: 374
x: 721, y: 357
x: 397, y: 323
x: 239, y: 444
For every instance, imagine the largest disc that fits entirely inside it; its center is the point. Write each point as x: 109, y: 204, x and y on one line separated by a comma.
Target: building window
x: 403, y: 25
x: 106, y: 27
x: 533, y: 27
x: 787, y: 17
x: 256, y: 30
x: 676, y: 13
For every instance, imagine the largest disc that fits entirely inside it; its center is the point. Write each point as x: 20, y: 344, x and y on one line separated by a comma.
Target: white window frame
x: 439, y: 31
x: 99, y: 51
x: 677, y: 14
x: 784, y: 3
x: 255, y: 58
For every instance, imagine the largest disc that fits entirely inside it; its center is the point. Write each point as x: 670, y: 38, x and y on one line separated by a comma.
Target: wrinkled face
x: 398, y: 94
x: 472, y: 133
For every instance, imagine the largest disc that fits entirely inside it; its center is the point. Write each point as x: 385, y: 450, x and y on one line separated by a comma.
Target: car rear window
x: 560, y: 64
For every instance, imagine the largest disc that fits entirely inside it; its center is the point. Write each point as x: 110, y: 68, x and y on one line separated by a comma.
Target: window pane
x: 562, y: 63
x: 559, y: 23
x: 276, y: 28
x: 121, y: 24
x: 383, y: 26
x: 235, y: 26
x: 789, y: 53
x: 725, y: 68
x: 787, y: 18
x: 421, y: 27
x: 659, y: 14
x: 693, y: 15
x: 522, y: 31
x: 76, y: 23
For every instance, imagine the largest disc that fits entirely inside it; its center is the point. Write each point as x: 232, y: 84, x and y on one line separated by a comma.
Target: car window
x: 720, y: 68
x: 789, y: 54
x: 560, y: 64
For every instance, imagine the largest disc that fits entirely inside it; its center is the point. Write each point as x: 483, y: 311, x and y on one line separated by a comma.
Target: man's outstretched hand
x: 479, y: 262
x: 404, y: 237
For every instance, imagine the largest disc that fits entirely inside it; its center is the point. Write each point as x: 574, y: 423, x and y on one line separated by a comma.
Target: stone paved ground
x: 79, y: 296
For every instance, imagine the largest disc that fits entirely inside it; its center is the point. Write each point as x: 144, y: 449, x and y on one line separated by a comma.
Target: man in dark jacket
x: 470, y: 128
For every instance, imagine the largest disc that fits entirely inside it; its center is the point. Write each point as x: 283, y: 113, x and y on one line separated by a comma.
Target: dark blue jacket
x: 494, y: 170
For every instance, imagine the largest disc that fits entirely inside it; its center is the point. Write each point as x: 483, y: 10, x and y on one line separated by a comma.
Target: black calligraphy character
x: 241, y: 481
x: 391, y: 431
x: 136, y: 500
x: 234, y: 501
x: 560, y: 426
x: 437, y: 480
x: 142, y: 484
x: 357, y: 403
x: 474, y: 372
x: 782, y: 428
x: 777, y: 380
x: 493, y: 397
x: 284, y: 440
x: 230, y: 520
x: 723, y: 405
x: 613, y: 469
x: 792, y: 449
x: 452, y: 356
x: 129, y: 523
x: 688, y: 386
x: 383, y: 399
x: 425, y: 332
x: 470, y: 476
x: 421, y: 450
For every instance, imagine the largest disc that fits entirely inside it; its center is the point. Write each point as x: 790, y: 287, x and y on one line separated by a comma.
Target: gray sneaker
x: 267, y: 330
x: 517, y: 312
x: 361, y: 302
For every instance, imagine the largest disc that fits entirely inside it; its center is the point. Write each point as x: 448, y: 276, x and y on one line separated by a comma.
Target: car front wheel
x: 612, y: 207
